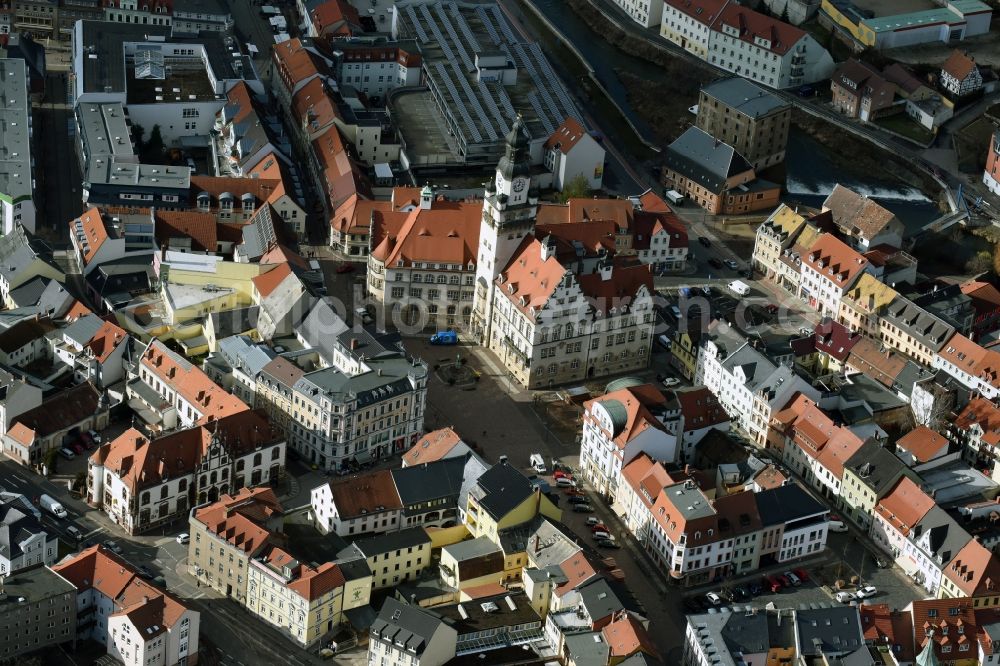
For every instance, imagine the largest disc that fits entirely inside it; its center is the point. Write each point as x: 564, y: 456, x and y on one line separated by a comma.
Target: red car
x: 599, y: 528
x: 345, y: 268
x: 802, y: 574
x: 77, y: 447
x: 559, y: 474
x: 774, y: 583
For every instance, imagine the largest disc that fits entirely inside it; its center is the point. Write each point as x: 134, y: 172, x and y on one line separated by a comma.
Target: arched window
x: 239, y: 465
x: 256, y: 459
x: 163, y: 491
x: 182, y: 485
x: 214, y: 477
x: 569, y: 330
x: 275, y: 453
x: 145, y: 498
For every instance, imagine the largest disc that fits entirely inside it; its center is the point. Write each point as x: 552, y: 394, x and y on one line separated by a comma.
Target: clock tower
x: 509, y: 210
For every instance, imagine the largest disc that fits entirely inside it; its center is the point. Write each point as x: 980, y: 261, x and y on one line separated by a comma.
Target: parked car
x: 866, y: 592
x: 577, y: 499
x: 73, y: 533
x: 78, y: 448
x: 837, y: 526
x: 713, y: 598
x: 785, y: 580
x: 881, y: 562
x: 671, y: 382
x: 144, y: 572
x: 601, y: 535
x: 593, y: 521
x: 607, y: 543
x: 756, y: 588
x: 559, y: 474
x: 715, y: 262
x: 583, y: 508
x: 802, y: 574
x: 565, y: 483
x: 740, y: 593
x: 94, y: 435
x: 183, y: 538
x: 345, y: 267
x: 67, y: 453
x: 599, y: 527
x: 845, y: 597
x: 773, y: 583
x: 676, y: 312
x: 792, y: 578
x: 113, y: 546
x: 731, y: 264
x: 704, y: 240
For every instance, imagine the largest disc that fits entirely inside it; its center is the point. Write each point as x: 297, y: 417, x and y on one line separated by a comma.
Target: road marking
x: 20, y: 478
x: 94, y: 532
x: 158, y: 561
x: 199, y: 595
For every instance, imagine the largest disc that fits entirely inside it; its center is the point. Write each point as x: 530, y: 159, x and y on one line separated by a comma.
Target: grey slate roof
x: 389, y: 377
x: 876, y: 466
x: 29, y: 292
x: 947, y: 536
x: 587, y: 649
x: 409, y: 626
x: 913, y: 320
x: 321, y: 328
x: 240, y: 352
x: 411, y: 537
x: 234, y: 322
x: 698, y: 156
x: 744, y: 96
x: 16, y: 525
x: 746, y: 633
x: 832, y: 630
x: 441, y: 479
x: 786, y: 503
x: 875, y: 395
x: 471, y: 549
x: 259, y: 235
x: 501, y: 489
x: 599, y: 599
x: 83, y: 329
x: 19, y: 248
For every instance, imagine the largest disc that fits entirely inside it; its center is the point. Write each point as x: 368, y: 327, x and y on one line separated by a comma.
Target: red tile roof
x: 94, y: 232
x: 934, y: 616
x: 753, y: 26
x: 922, y: 443
x: 700, y: 408
x: 959, y: 65
x: 240, y: 519
x: 447, y: 233
x: 145, y: 605
x: 265, y: 283
x: 969, y: 357
x: 210, y: 399
x: 336, y: 18
x: 835, y: 260
x: 703, y: 11
x: 312, y: 106
x: 625, y: 636
x: 361, y: 494
x: 433, y: 446
x: 975, y: 570
x: 984, y: 413
x: 107, y: 339
x: 566, y: 136
x: 904, y: 506
x: 882, y: 626
x: 294, y: 63
x: 196, y: 225
x: 835, y: 339
x: 637, y: 402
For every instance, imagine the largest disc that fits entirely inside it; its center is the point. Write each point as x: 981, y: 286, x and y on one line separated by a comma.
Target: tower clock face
x: 519, y: 184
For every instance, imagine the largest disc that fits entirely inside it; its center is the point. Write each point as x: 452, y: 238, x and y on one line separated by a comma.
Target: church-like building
x: 560, y: 293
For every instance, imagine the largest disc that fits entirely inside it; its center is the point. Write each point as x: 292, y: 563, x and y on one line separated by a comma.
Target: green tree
x: 980, y: 263
x: 574, y: 189
x: 153, y: 150
x: 996, y: 258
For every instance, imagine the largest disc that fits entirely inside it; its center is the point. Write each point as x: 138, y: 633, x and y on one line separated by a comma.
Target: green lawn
x: 903, y: 125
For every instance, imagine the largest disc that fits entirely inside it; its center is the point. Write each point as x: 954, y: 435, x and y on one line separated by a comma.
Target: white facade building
x: 571, y: 152
x: 647, y: 13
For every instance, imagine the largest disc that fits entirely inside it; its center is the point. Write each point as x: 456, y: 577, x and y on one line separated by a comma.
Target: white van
x: 739, y: 287
x: 674, y: 197
x: 537, y: 463
x: 67, y: 454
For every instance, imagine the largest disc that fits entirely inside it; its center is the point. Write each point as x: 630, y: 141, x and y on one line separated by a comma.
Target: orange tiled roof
x: 835, y: 260
x: 941, y: 614
x: 904, y: 506
x: 293, y: 62
x: 76, y: 311
x: 959, y: 65
x: 637, y: 401
x: 93, y: 230
x: 196, y: 225
x: 433, y: 446
x: 758, y: 29
x: 566, y: 136
x: 361, y: 494
x: 265, y: 283
x: 336, y: 17
x: 241, y: 96
x: 700, y: 408
x: 922, y: 443
x: 882, y: 626
x: 969, y: 357
x: 213, y: 401
x: 578, y: 570
x: 106, y: 341
x: 312, y: 106
x: 975, y: 570
x: 145, y: 605
x: 625, y: 636
x: 446, y: 233
x: 239, y: 519
x: 984, y: 413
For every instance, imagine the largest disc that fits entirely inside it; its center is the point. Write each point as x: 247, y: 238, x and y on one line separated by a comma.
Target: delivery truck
x: 52, y: 506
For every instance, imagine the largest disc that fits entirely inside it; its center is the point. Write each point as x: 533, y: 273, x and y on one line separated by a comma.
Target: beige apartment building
x: 774, y: 236
x: 862, y: 304
x: 227, y: 534
x: 747, y: 117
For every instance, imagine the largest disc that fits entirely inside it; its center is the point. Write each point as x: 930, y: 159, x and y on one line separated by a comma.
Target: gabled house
x: 960, y: 76
x: 862, y: 221
x: 94, y: 349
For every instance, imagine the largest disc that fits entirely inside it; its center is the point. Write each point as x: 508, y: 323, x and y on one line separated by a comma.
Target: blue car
x: 444, y: 338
